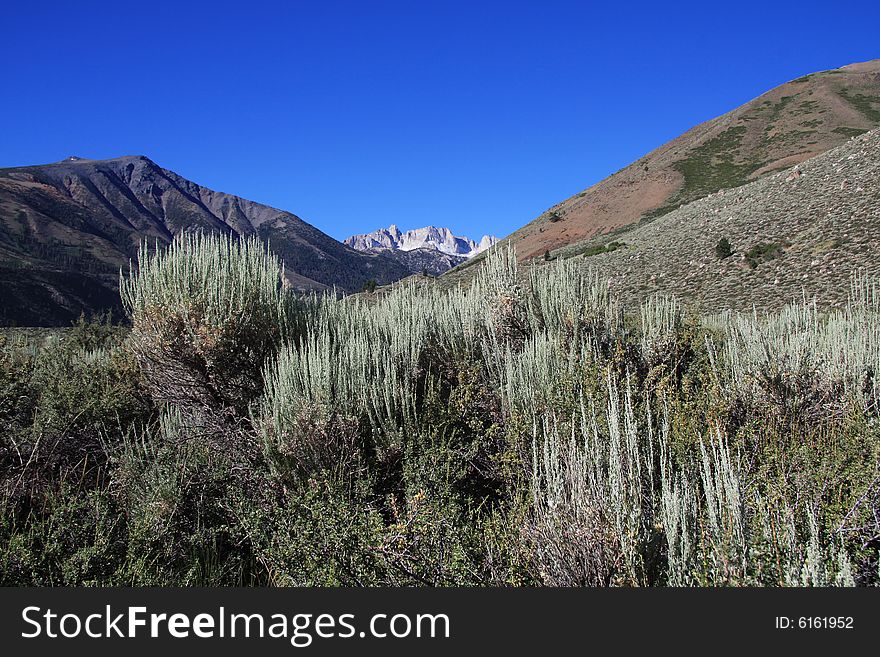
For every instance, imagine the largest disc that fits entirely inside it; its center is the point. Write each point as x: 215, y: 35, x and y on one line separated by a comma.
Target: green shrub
x: 95, y: 332
x: 723, y: 249
x: 75, y: 538
x: 62, y: 407
x: 178, y: 492
x: 603, y: 248
x: 762, y: 253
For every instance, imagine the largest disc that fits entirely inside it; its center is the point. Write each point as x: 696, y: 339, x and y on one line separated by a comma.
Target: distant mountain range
x: 430, y: 237
x: 430, y: 249
x: 67, y: 228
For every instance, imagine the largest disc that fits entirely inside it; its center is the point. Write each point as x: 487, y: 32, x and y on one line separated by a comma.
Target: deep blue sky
x: 355, y: 115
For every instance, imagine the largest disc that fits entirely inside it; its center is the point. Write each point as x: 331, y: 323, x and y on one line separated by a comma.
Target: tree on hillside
x: 723, y: 249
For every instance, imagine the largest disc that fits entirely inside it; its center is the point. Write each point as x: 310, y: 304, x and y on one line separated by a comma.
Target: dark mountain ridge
x: 67, y: 228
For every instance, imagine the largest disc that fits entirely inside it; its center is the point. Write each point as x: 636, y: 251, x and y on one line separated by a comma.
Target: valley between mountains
x: 621, y: 393
x: 68, y: 228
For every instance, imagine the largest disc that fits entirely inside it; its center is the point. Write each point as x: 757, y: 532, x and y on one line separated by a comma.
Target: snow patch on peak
x: 429, y: 237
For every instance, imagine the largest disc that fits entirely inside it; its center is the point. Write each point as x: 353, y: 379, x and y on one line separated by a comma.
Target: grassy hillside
x: 805, y: 230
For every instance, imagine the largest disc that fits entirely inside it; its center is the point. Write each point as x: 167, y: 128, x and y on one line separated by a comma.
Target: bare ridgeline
x: 524, y: 429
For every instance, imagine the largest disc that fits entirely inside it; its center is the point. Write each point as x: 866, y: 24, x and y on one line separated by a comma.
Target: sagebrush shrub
x: 525, y: 428
x: 206, y: 313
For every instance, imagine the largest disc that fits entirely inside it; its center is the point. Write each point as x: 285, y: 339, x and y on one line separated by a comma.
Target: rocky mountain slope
x: 785, y: 126
x: 423, y: 260
x: 67, y: 228
x: 805, y: 230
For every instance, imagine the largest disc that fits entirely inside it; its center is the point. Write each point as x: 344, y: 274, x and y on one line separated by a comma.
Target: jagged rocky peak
x: 486, y: 241
x: 429, y: 237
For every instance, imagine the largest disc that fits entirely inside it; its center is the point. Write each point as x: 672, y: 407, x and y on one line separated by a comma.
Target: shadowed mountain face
x: 67, y: 228
x: 783, y: 127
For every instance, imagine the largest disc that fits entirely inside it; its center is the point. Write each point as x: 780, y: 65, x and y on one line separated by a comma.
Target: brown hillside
x: 804, y: 231
x: 779, y: 129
